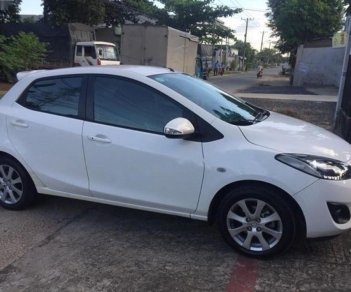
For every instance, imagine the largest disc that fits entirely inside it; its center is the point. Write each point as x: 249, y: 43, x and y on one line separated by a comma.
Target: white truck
x: 94, y: 53
x: 160, y: 46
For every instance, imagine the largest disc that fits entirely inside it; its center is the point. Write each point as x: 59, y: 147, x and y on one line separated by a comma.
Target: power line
x: 248, y: 9
x: 238, y: 5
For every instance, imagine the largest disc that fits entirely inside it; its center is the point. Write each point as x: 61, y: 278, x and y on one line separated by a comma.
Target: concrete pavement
x: 301, y: 97
x: 271, y: 86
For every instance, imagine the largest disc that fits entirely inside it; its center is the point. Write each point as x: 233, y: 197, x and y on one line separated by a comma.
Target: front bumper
x: 314, y: 200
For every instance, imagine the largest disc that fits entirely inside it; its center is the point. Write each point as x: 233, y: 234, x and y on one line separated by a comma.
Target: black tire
x: 260, y: 235
x: 19, y: 183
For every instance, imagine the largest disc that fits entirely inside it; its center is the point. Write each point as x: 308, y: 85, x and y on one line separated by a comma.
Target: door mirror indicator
x: 179, y: 128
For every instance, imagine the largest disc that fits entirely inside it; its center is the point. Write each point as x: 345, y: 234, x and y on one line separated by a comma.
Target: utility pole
x: 247, y: 23
x: 262, y: 41
x: 270, y: 42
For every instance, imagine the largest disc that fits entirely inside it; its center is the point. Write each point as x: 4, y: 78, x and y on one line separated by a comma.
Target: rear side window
x: 79, y: 51
x: 57, y: 96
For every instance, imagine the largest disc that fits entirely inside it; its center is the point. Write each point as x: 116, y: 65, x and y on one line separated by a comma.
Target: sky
x: 254, y: 9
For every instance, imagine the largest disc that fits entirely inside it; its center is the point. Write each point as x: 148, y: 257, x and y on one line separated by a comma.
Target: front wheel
x: 257, y: 221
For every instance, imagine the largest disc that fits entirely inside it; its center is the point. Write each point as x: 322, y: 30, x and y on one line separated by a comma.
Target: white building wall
x: 318, y: 66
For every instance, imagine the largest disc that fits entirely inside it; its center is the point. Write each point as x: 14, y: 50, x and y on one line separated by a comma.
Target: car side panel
x: 234, y: 159
x: 52, y: 146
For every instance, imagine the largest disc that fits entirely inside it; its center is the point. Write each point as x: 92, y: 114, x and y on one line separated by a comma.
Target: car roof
x: 113, y: 69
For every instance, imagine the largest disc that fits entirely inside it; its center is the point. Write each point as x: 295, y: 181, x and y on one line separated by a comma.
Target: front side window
x: 126, y: 103
x: 89, y: 51
x: 228, y: 108
x: 58, y: 96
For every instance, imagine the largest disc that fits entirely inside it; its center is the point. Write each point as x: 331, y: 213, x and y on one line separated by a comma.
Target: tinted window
x: 125, y: 103
x: 57, y: 96
x: 79, y: 50
x: 210, y: 98
x: 89, y: 52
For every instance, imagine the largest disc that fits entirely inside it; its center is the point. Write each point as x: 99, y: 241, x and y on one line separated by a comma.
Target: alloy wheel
x: 254, y: 224
x: 11, y: 185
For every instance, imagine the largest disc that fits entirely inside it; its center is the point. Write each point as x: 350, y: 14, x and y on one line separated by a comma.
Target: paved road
x: 272, y: 86
x: 239, y: 81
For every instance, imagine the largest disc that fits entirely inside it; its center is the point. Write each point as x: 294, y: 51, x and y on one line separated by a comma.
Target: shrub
x: 21, y: 52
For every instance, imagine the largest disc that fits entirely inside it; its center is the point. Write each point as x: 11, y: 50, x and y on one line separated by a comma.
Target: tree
x: 249, y: 52
x: 215, y: 34
x: 298, y: 21
x: 20, y: 52
x: 195, y: 16
x: 118, y: 11
x: 11, y: 13
x: 58, y: 12
x: 268, y: 56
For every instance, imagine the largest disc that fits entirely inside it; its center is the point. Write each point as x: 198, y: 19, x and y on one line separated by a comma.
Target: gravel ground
x: 318, y: 113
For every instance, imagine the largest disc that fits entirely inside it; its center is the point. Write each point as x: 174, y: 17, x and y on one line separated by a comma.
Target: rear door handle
x: 100, y: 139
x: 19, y: 123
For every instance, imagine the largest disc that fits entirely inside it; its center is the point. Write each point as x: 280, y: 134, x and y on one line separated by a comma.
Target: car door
x: 45, y: 127
x: 89, y: 56
x: 128, y: 158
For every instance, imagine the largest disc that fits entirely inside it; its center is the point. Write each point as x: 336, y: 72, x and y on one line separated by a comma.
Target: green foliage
x: 216, y: 33
x: 298, y: 21
x: 20, y: 52
x: 198, y: 17
x: 11, y: 14
x: 118, y: 11
x: 58, y: 12
x: 247, y: 50
x: 269, y: 56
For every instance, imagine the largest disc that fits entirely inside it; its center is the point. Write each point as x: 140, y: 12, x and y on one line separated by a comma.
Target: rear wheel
x: 16, y: 187
x: 257, y: 221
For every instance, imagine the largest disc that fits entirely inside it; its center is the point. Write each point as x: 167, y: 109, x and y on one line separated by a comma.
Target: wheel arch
x: 7, y: 155
x: 221, y: 194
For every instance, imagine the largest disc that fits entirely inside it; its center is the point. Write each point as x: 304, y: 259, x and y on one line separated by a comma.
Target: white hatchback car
x: 157, y: 140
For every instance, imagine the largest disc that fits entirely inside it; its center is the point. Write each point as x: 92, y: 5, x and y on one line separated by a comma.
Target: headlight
x: 321, y: 167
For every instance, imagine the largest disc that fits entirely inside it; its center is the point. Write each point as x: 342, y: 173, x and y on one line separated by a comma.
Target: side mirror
x: 178, y: 128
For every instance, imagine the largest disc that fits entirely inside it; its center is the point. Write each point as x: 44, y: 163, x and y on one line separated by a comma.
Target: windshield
x: 106, y: 52
x: 228, y: 108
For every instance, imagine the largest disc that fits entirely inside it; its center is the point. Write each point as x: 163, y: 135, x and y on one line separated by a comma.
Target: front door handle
x: 19, y: 123
x: 99, y: 138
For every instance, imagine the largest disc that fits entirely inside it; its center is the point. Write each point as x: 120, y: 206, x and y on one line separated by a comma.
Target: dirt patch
x: 4, y: 87
x: 318, y: 113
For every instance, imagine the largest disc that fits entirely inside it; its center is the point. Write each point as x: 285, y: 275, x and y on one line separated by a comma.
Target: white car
x: 157, y: 140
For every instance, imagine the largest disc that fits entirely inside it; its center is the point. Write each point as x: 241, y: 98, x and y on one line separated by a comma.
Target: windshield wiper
x: 242, y: 122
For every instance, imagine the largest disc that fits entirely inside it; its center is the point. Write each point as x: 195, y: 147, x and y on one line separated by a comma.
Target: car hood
x: 290, y: 135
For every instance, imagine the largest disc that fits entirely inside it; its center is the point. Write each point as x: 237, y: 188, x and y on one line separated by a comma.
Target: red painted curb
x: 244, y: 276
